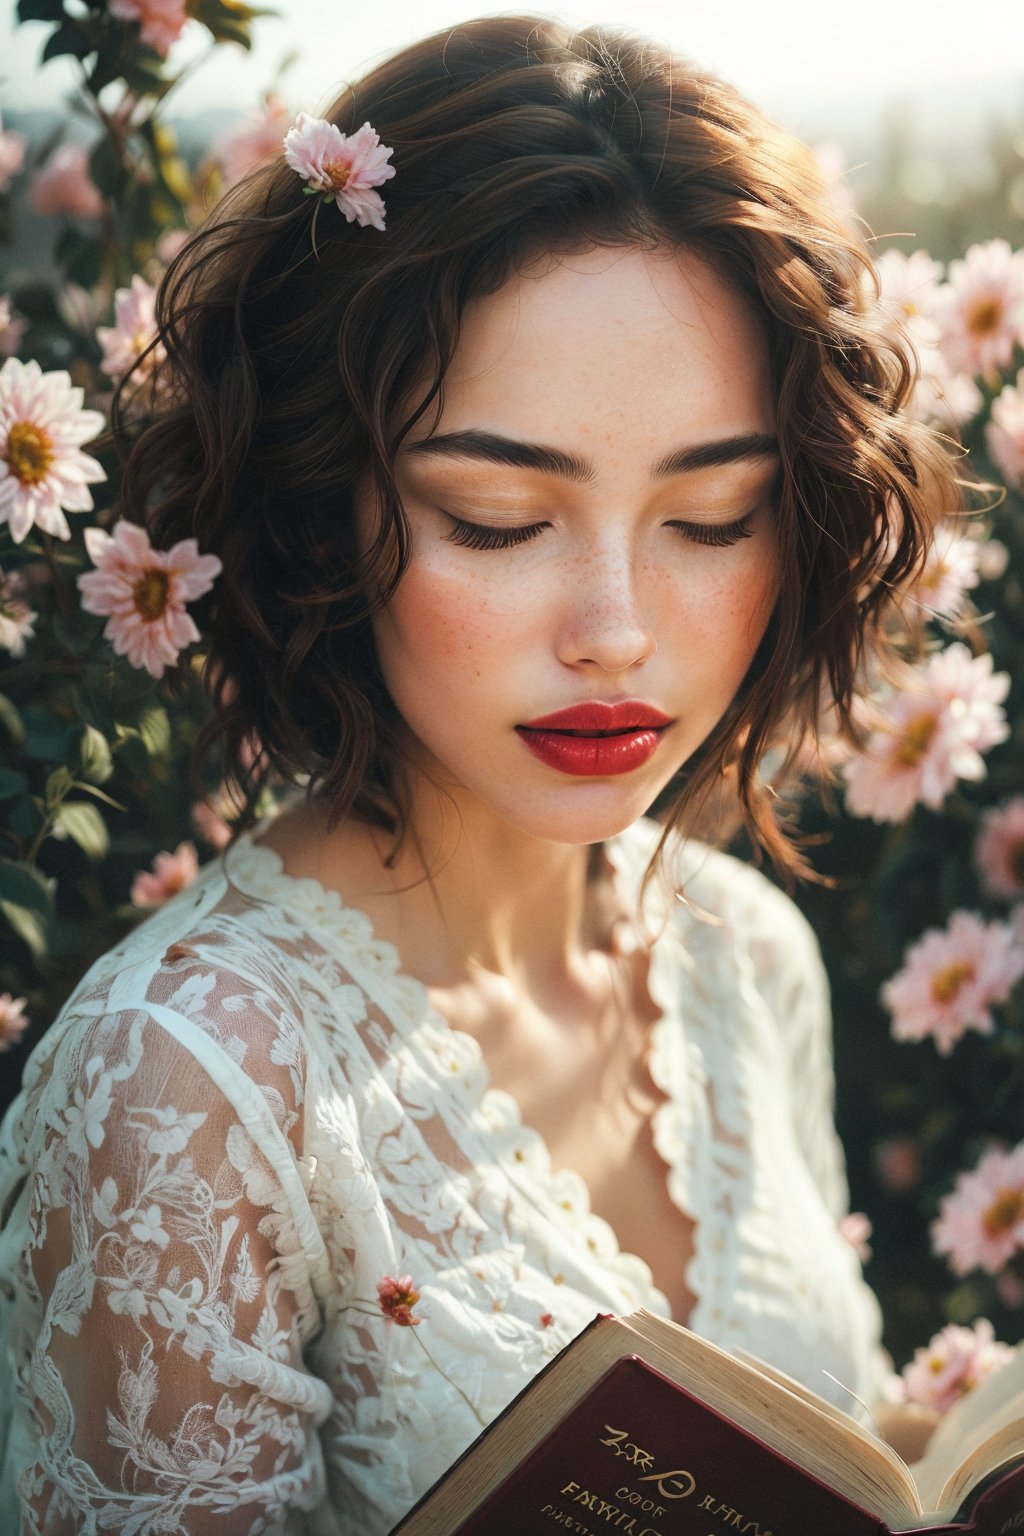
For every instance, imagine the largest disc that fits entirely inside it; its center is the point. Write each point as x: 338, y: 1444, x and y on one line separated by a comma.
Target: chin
x: 586, y: 815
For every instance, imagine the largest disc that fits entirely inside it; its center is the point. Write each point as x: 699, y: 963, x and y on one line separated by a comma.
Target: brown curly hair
x: 292, y: 353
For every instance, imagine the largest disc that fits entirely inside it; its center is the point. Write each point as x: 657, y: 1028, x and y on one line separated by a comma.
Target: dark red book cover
x: 641, y: 1456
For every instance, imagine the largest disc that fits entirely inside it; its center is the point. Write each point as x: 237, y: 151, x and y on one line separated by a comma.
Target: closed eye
x: 716, y: 534
x: 481, y: 536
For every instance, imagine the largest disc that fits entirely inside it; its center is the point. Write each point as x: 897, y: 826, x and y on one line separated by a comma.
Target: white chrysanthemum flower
x: 43, y: 471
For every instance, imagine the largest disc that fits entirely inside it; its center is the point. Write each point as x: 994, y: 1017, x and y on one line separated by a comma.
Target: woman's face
x: 592, y: 525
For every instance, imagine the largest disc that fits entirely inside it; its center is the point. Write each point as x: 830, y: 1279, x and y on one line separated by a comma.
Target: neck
x: 467, y: 891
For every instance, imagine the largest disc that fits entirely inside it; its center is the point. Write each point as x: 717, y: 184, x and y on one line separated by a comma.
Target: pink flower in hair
x: 144, y: 592
x: 343, y: 167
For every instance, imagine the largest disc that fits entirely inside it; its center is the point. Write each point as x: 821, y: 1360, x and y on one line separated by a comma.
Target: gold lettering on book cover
x: 677, y: 1484
x: 1015, y: 1523
x: 646, y: 1506
x: 732, y: 1517
x: 615, y: 1518
x: 638, y: 1457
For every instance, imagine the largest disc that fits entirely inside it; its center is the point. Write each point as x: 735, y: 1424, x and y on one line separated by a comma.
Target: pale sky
x: 799, y: 59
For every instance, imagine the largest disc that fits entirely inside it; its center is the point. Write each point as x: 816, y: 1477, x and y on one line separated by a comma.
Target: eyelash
x: 480, y: 536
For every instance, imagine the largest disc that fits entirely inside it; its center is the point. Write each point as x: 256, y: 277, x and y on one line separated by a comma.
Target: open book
x: 642, y: 1428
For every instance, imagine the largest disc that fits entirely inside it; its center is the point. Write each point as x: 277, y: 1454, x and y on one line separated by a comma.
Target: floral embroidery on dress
x: 247, y: 1120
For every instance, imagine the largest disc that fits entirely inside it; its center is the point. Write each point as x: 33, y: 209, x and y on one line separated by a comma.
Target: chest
x: 589, y: 1095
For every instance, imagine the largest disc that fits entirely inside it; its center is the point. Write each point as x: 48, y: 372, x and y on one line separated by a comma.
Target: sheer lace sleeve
x: 173, y: 1254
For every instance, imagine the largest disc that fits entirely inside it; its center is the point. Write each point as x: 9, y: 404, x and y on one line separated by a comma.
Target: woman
x: 564, y: 489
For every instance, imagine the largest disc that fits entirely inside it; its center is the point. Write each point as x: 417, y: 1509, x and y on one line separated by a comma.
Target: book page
x: 814, y: 1434
x: 988, y: 1411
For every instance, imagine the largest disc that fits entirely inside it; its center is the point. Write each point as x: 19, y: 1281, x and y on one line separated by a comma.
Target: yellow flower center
x: 917, y: 738
x: 985, y: 316
x: 29, y: 452
x: 947, y: 983
x: 337, y: 172
x: 150, y: 594
x: 1006, y: 1210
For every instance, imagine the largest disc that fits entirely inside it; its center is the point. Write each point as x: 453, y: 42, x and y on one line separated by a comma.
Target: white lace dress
x: 246, y: 1117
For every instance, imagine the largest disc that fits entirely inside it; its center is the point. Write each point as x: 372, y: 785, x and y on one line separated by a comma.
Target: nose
x: 604, y: 622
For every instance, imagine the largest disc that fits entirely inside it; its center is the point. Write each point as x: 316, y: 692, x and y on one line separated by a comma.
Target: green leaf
x: 12, y: 783
x: 47, y: 739
x: 11, y: 721
x: 28, y: 925
x: 76, y: 632
x: 105, y: 168
x: 58, y: 784
x: 40, y: 10
x: 25, y: 886
x: 96, y: 761
x: 70, y: 37
x: 90, y: 789
x: 155, y: 729
x: 85, y: 826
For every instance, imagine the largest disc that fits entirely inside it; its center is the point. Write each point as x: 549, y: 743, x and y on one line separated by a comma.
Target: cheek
x: 436, y: 627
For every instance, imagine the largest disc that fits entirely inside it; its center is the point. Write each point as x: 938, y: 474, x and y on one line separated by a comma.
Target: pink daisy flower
x: 63, y: 187
x: 16, y: 617
x: 950, y: 980
x: 999, y: 851
x: 908, y: 286
x: 252, y: 142
x: 12, y: 156
x: 12, y: 328
x: 160, y: 21
x: 1004, y: 435
x: 345, y: 167
x: 144, y: 590
x: 172, y: 872
x: 952, y: 1364
x: 397, y: 1297
x: 13, y: 1020
x: 950, y: 572
x: 931, y: 734
x: 134, y: 328
x: 42, y: 468
x: 981, y: 1222
x: 981, y: 309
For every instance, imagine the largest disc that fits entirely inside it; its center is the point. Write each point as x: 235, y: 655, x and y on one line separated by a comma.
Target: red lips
x: 596, y: 739
x: 596, y: 716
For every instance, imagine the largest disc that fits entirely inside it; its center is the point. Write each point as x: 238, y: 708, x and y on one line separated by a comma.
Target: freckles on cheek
x: 440, y: 619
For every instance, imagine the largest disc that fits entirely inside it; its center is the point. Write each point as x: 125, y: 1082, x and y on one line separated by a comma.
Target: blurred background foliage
x: 93, y: 751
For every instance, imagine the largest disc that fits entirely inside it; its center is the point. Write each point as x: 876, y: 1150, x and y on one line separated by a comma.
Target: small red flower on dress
x: 397, y: 1298
x: 546, y: 1319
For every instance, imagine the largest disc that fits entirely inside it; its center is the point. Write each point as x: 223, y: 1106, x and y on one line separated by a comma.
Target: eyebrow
x: 492, y: 448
